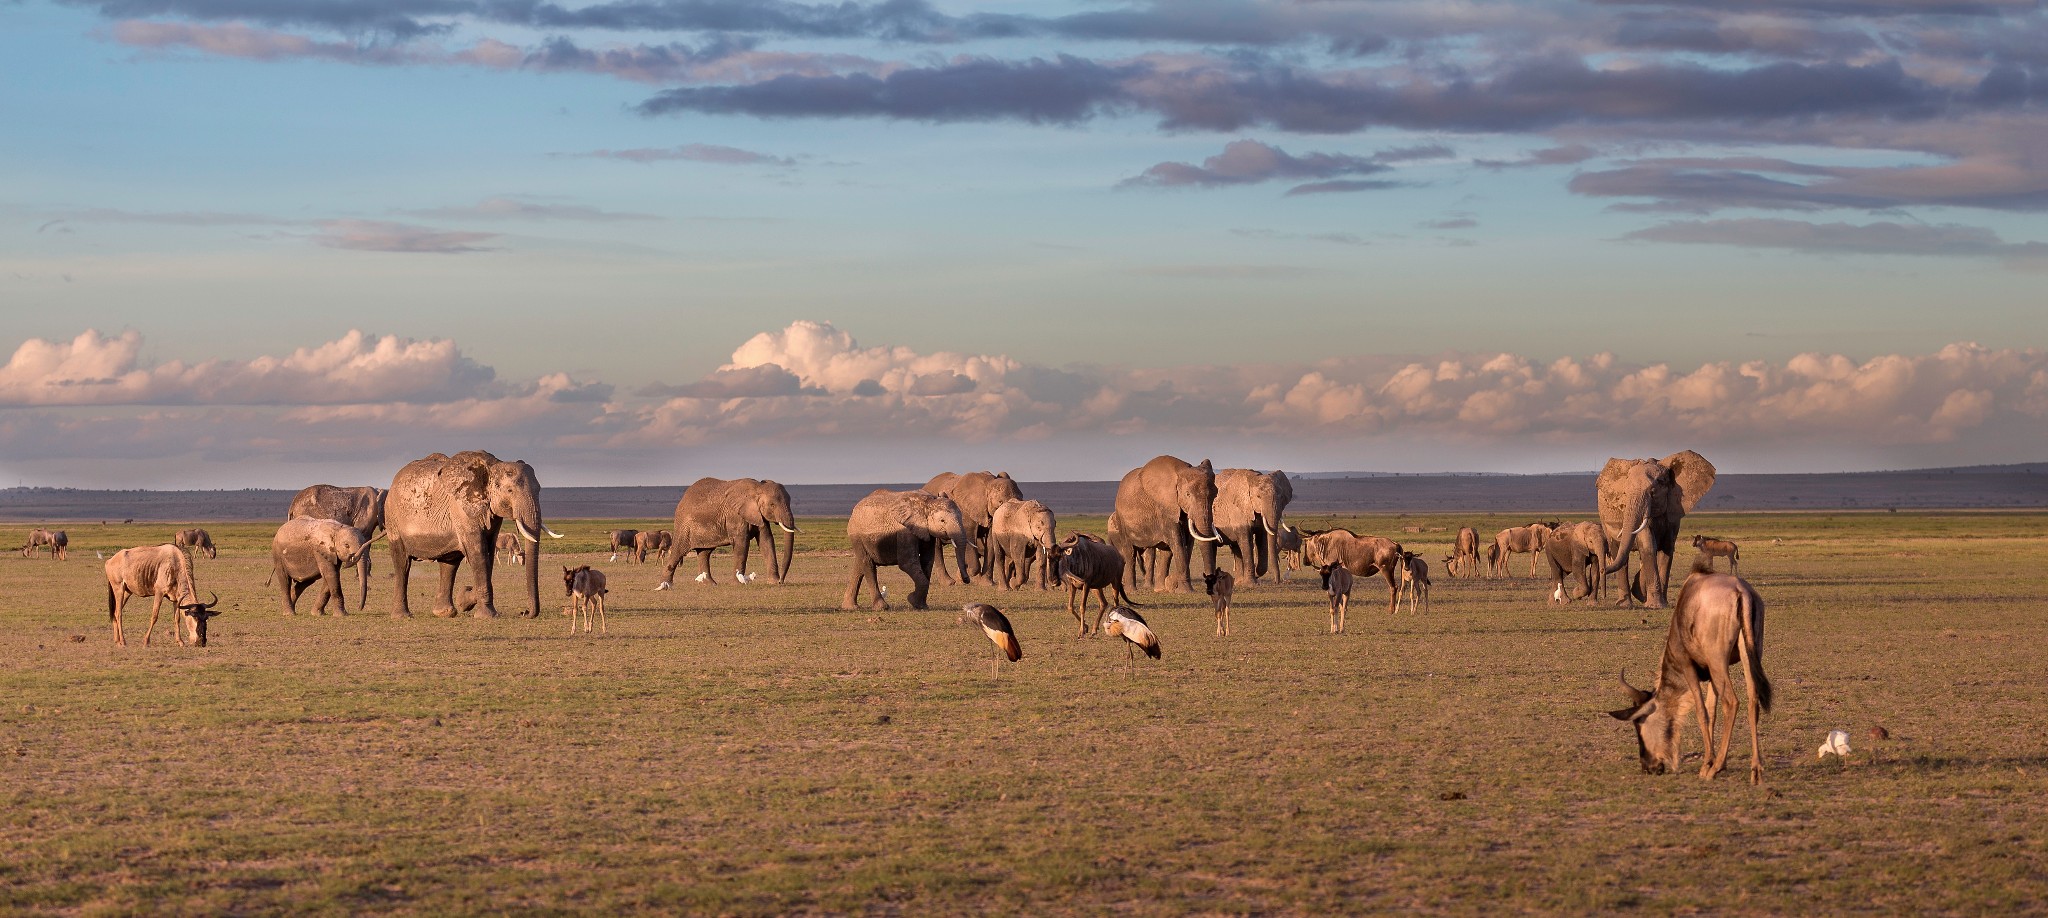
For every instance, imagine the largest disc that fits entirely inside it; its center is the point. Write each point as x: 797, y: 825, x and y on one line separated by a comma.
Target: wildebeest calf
x: 1711, y: 548
x: 1220, y: 586
x: 1337, y: 582
x: 586, y: 590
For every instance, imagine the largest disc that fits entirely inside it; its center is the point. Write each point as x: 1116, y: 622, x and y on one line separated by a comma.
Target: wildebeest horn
x: 206, y: 605
x: 1635, y: 695
x: 527, y: 533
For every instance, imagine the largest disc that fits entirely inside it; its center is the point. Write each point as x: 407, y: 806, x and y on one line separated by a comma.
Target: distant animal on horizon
x: 1414, y: 580
x: 585, y: 586
x: 996, y: 626
x: 1337, y: 581
x: 196, y: 539
x: 56, y: 540
x: 1718, y: 620
x: 1086, y: 564
x: 1711, y: 548
x: 1363, y: 556
x: 160, y: 572
x: 1220, y: 586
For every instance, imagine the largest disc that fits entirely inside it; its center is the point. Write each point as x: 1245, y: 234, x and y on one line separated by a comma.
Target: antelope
x: 1337, y: 581
x: 1415, y: 580
x: 586, y: 589
x: 1718, y: 620
x: 1711, y: 548
x: 197, y: 540
x: 160, y: 572
x: 1220, y: 586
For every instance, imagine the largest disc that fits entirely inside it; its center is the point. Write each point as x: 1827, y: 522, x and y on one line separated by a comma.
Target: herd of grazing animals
x: 450, y: 511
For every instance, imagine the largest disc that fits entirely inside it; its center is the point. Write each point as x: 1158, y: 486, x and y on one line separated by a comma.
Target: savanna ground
x: 753, y: 750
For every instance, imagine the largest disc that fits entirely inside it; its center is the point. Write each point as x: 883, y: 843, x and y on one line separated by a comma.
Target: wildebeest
x: 1087, y: 564
x: 1516, y: 540
x: 510, y: 541
x: 160, y: 572
x: 586, y: 589
x: 1415, y: 580
x: 1220, y: 586
x: 1717, y: 621
x: 196, y: 539
x: 1337, y: 582
x: 621, y: 540
x: 1363, y: 556
x: 1464, y: 560
x: 56, y: 540
x: 1711, y: 548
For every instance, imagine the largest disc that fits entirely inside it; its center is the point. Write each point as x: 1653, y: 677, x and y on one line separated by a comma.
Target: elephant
x: 1166, y: 504
x: 1577, y: 550
x: 1248, y: 512
x: 1642, y: 502
x: 977, y: 494
x: 903, y: 528
x: 306, y: 549
x: 1023, y: 534
x: 361, y: 508
x: 716, y: 512
x: 450, y: 508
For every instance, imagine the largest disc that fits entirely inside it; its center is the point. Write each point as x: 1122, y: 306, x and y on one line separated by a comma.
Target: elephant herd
x: 1167, y: 513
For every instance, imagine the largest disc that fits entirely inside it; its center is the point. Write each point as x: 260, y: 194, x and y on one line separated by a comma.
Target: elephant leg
x: 704, y: 566
x: 330, y: 578
x: 945, y: 573
x: 863, y: 569
x: 920, y: 577
x: 742, y: 548
x: 1663, y: 579
x: 445, y: 599
x: 286, y: 595
x: 401, y: 572
x: 668, y: 574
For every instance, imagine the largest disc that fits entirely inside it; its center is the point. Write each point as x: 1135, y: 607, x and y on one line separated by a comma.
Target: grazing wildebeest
x: 1712, y: 548
x: 1220, y: 586
x: 1087, y: 564
x: 1718, y: 620
x: 160, y: 572
x: 56, y: 540
x: 621, y: 540
x: 1464, y: 560
x: 1363, y: 556
x: 509, y: 541
x: 196, y: 539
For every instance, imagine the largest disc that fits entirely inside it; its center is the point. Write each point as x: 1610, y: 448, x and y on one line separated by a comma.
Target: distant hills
x: 1972, y: 487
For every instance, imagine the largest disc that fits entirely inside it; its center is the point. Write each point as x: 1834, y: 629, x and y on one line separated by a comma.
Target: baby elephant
x: 586, y: 589
x: 1337, y: 581
x: 1220, y: 586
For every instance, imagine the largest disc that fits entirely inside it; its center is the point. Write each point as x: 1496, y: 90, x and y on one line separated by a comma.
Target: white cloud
x: 94, y: 369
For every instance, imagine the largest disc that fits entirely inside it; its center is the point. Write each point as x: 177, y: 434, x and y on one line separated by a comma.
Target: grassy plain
x: 753, y: 750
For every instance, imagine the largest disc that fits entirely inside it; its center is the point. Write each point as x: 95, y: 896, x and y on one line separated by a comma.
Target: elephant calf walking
x: 901, y: 528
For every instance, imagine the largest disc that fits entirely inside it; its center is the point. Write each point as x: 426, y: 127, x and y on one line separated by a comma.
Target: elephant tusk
x: 1645, y: 523
x: 551, y: 533
x: 785, y: 528
x: 1199, y: 537
x: 1271, y: 531
x: 525, y: 532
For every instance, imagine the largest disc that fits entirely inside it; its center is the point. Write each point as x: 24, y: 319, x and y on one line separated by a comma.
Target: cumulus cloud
x: 384, y: 400
x: 96, y: 369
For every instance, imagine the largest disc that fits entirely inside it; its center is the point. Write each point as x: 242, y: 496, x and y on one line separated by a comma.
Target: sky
x: 264, y: 243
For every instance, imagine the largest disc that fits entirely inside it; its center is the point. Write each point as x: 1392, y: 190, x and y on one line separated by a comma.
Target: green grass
x: 753, y: 750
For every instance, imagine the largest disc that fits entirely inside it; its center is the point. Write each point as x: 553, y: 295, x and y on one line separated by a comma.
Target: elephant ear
x: 1613, y: 496
x: 1692, y: 476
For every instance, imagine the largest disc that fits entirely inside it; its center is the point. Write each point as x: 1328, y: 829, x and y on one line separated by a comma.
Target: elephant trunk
x: 788, y: 551
x: 530, y: 510
x: 1632, y: 525
x: 960, y: 543
x: 363, y: 577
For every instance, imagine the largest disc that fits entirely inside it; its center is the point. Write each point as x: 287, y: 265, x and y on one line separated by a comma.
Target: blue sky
x: 640, y: 242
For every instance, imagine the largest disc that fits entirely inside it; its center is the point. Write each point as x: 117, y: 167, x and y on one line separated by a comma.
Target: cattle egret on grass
x: 1838, y: 743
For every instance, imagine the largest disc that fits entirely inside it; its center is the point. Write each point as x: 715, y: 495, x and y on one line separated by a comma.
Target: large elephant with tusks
x: 1170, y: 505
x: 450, y: 508
x: 1641, y: 504
x: 715, y: 512
x: 1249, y: 510
x: 904, y: 529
